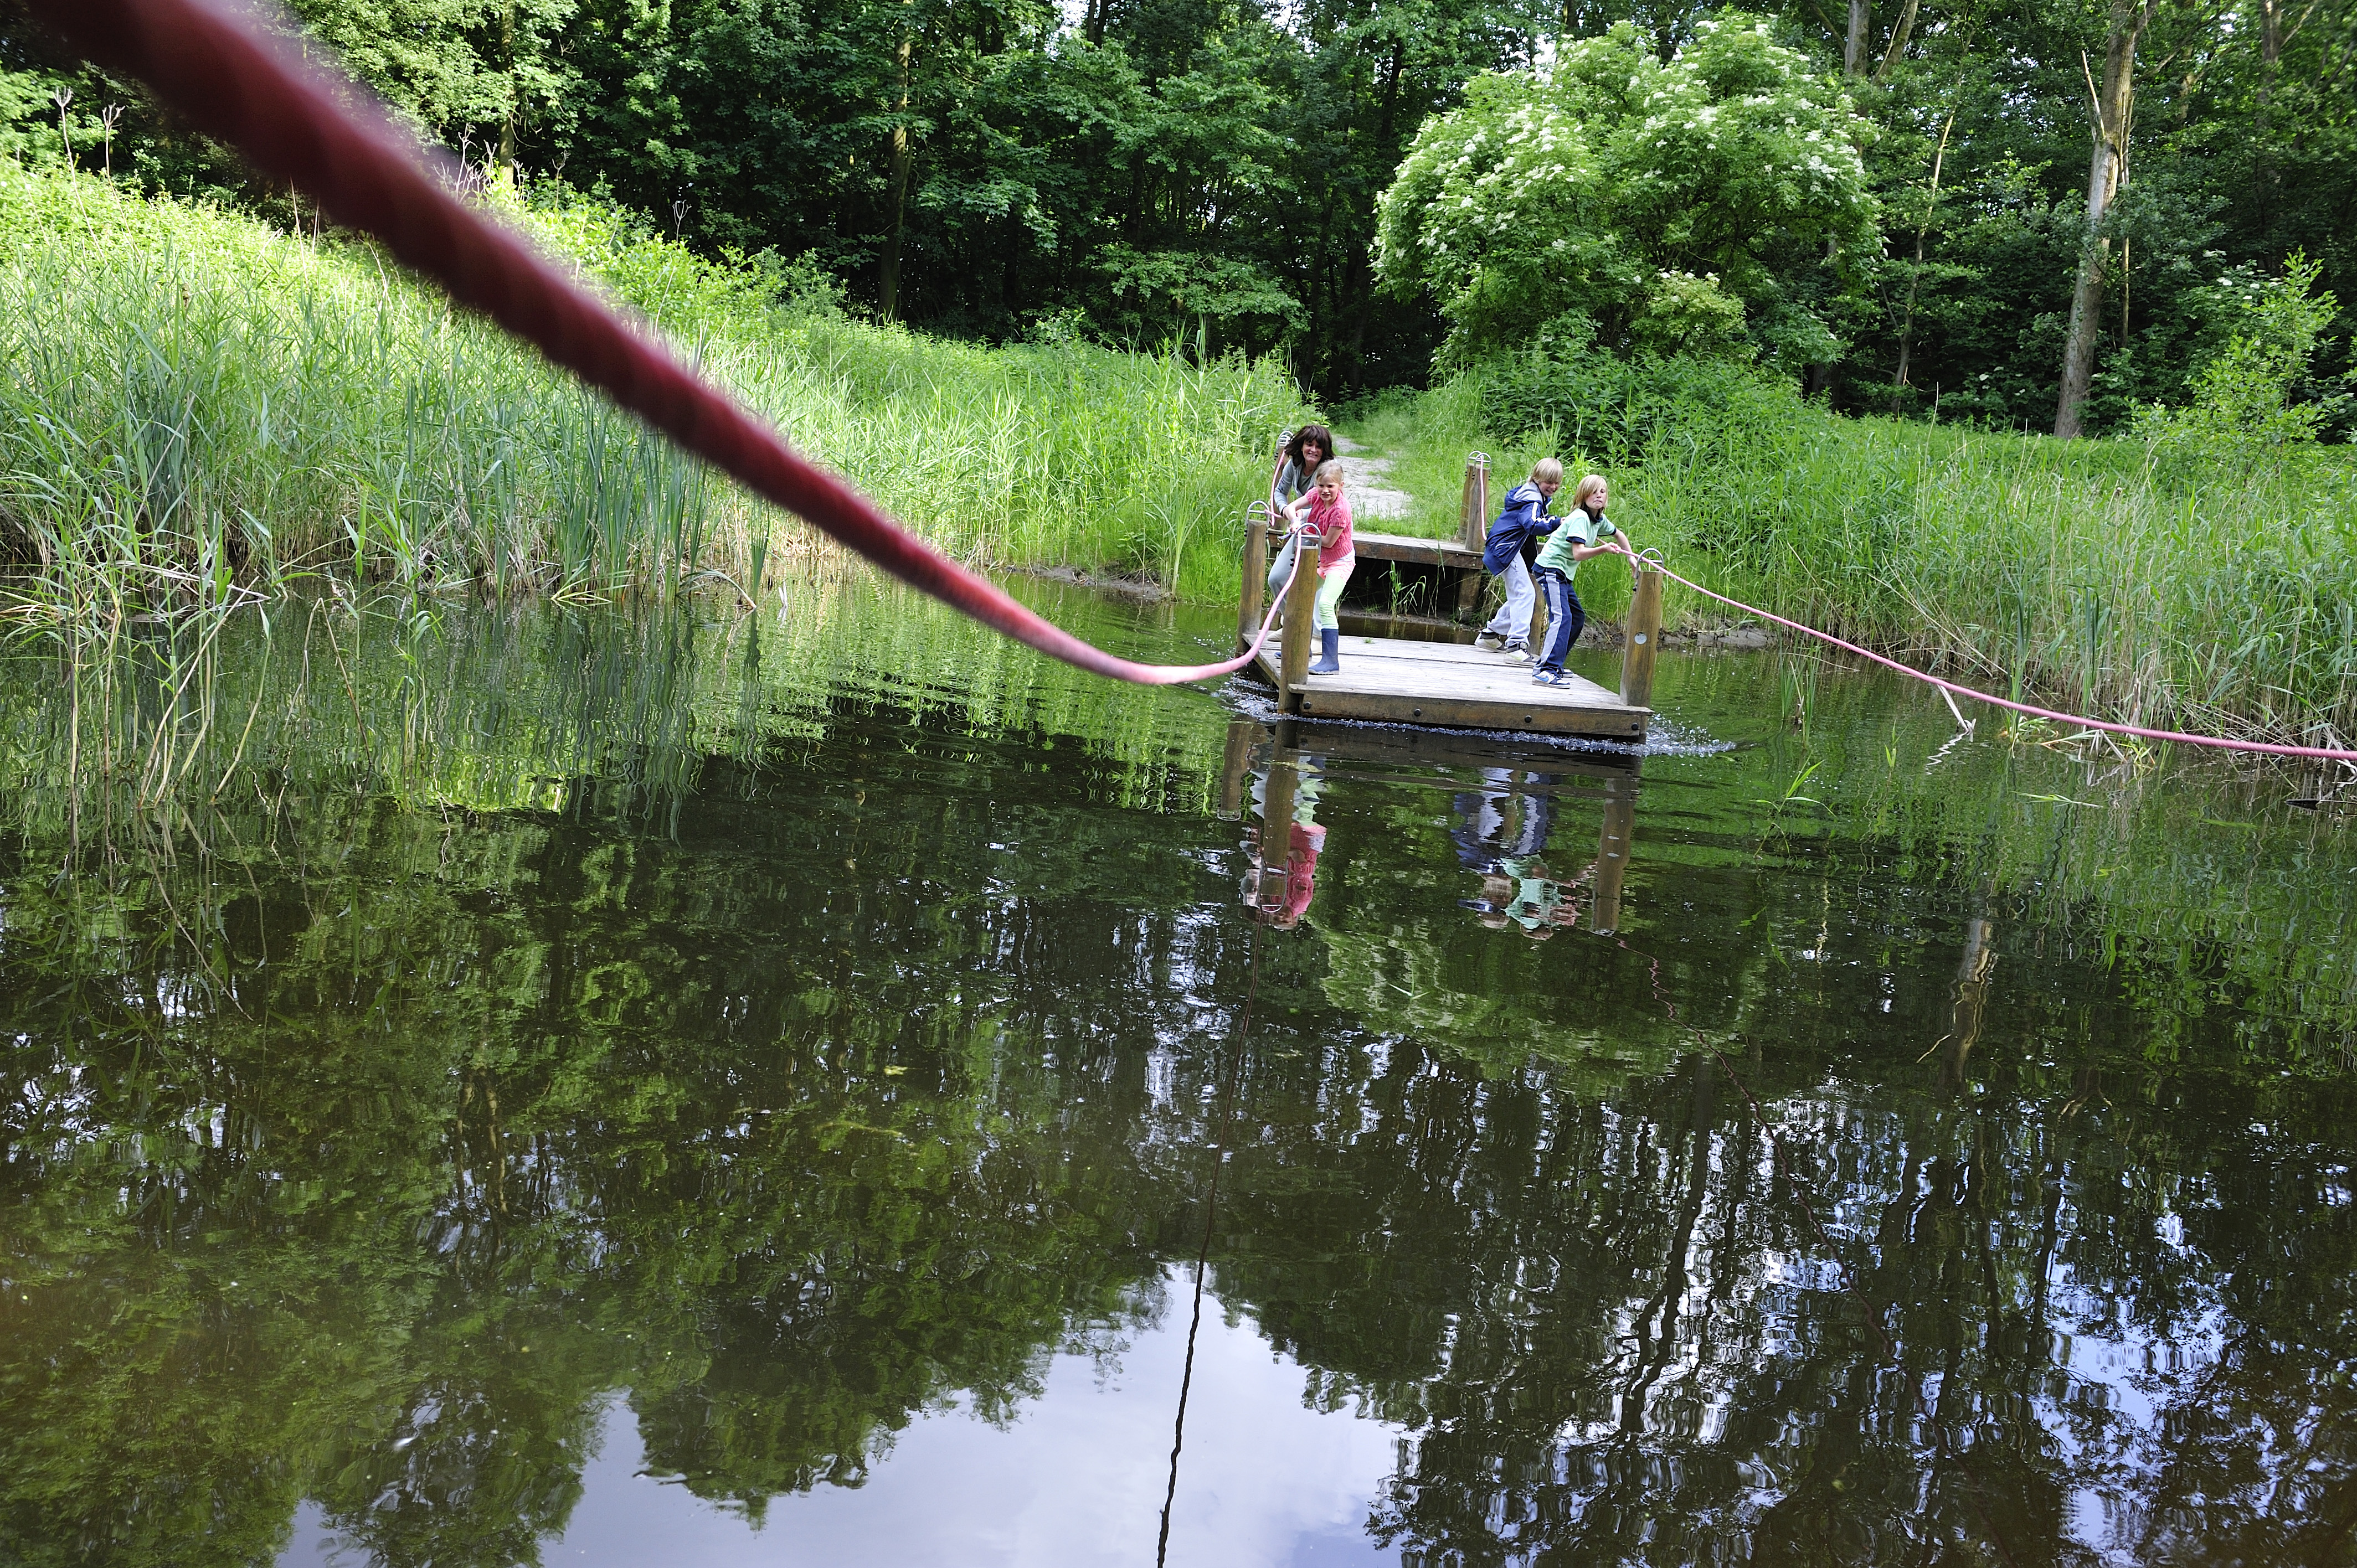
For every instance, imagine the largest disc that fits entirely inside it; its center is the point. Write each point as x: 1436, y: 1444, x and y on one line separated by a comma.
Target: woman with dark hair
x: 1296, y: 465
x: 1297, y: 462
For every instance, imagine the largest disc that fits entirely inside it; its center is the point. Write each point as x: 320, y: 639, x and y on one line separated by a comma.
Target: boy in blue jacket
x: 1585, y: 533
x: 1506, y: 552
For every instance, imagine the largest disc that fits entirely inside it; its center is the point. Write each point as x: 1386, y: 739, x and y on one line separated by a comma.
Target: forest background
x: 1209, y: 172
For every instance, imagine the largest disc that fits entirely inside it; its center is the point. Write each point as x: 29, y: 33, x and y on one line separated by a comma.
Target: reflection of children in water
x: 1483, y: 815
x: 1304, y: 840
x: 1520, y: 892
x: 1516, y: 889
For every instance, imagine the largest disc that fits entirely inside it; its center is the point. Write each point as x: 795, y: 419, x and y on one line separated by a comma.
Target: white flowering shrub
x: 1683, y: 206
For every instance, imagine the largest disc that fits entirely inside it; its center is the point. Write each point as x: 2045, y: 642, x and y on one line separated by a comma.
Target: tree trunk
x: 1817, y: 380
x: 2106, y: 168
x: 887, y: 277
x: 1915, y: 278
x: 1900, y: 31
x: 1321, y: 289
x: 515, y: 108
x: 1355, y: 290
x: 2271, y: 43
x: 1390, y: 89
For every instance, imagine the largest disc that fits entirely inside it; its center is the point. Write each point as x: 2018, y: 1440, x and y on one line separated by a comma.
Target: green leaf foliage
x: 1668, y: 203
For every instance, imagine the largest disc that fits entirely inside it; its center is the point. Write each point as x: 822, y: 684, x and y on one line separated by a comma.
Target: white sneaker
x: 1518, y: 654
x: 1488, y: 642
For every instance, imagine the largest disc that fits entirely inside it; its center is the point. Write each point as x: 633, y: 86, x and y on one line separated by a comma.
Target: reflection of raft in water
x: 1448, y: 684
x: 1280, y: 771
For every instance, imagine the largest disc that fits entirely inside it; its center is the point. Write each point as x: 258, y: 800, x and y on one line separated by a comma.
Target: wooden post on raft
x: 1473, y: 511
x: 1612, y: 853
x: 1300, y: 632
x: 1249, y: 601
x: 1644, y: 640
x: 1472, y: 527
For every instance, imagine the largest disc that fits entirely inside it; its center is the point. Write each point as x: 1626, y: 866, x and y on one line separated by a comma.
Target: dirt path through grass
x: 1372, y: 495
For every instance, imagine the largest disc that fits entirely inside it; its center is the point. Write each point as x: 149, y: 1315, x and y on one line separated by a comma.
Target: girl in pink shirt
x: 1324, y: 509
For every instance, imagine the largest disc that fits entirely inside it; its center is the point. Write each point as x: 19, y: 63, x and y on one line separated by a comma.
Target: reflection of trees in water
x: 1617, y: 1338
x: 364, y: 1165
x: 479, y: 1125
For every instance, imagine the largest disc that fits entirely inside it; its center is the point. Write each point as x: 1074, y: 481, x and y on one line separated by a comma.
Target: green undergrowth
x: 193, y: 406
x: 2098, y: 576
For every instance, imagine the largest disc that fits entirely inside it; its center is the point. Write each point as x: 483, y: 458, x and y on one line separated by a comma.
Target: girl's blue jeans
x: 1564, y: 616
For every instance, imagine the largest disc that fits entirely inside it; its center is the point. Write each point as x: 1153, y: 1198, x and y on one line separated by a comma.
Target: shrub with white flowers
x: 1673, y: 207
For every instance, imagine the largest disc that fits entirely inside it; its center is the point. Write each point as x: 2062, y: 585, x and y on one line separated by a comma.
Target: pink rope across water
x: 233, y: 82
x: 2217, y: 742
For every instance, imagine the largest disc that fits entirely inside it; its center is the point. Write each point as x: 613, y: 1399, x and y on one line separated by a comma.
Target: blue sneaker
x: 1548, y: 678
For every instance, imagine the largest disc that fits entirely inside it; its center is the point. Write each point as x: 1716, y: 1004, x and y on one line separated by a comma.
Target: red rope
x: 2218, y: 742
x: 234, y: 82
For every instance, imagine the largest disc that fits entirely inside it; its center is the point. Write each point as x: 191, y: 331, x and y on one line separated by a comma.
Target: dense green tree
x: 1207, y: 171
x: 468, y: 71
x: 1678, y: 205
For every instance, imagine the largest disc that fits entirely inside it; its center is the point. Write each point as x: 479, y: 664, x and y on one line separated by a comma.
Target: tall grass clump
x: 191, y: 401
x: 2108, y: 576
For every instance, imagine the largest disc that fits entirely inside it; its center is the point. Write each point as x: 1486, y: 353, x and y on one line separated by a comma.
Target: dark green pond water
x: 597, y: 1087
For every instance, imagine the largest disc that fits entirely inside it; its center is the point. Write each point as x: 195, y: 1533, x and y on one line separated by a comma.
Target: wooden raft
x: 1390, y: 680
x: 1447, y: 685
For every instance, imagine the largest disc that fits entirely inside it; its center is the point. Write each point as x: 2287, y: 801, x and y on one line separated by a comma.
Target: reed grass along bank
x: 2110, y: 576
x: 192, y: 400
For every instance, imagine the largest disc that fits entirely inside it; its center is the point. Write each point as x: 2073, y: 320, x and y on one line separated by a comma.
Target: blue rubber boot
x: 1329, y: 652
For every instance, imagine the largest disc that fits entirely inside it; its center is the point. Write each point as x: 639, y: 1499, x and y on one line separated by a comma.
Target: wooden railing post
x: 1249, y: 606
x: 1612, y: 846
x: 1300, y: 633
x: 1473, y: 512
x: 1644, y: 640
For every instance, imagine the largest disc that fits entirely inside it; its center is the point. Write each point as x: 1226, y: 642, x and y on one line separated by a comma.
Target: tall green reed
x: 183, y: 390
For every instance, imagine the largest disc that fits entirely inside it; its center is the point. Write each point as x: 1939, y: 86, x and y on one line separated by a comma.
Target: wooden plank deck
x: 1449, y: 552
x: 1392, y: 681
x: 1459, y: 567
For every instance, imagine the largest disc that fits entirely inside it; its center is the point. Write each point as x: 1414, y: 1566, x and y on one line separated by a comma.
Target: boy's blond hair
x: 1331, y: 466
x: 1588, y: 485
x: 1546, y: 468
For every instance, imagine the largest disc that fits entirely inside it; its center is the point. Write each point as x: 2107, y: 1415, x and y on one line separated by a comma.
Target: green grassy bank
x: 190, y: 399
x: 2100, y: 575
